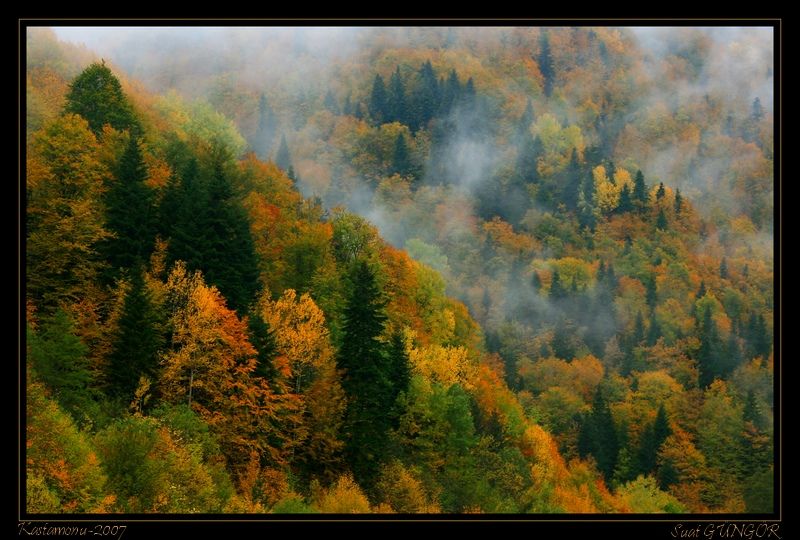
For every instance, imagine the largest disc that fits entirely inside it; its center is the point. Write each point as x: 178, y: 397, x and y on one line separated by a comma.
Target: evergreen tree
x: 378, y: 103
x: 401, y: 161
x: 625, y: 203
x: 283, y: 159
x: 96, y: 95
x: 262, y: 337
x: 651, y: 292
x: 398, y: 107
x: 661, y: 192
x: 365, y: 375
x: 398, y: 371
x: 710, y: 355
x: 136, y: 342
x: 678, y: 201
x: 557, y: 290
x: 572, y: 183
x: 130, y: 213
x: 661, y: 221
x: 638, y: 330
x: 654, y: 331
x: 701, y: 291
x: 59, y: 358
x: 267, y: 128
x: 751, y: 413
x: 652, y: 439
x: 545, y: 61
x: 528, y: 153
x: 759, y: 342
x: 641, y: 198
x: 330, y: 102
x: 227, y: 250
x: 426, y: 96
x: 182, y: 214
x: 536, y: 281
x: 598, y: 436
x: 451, y: 93
x: 758, y: 110
x: 525, y: 121
x: 723, y: 268
x: 563, y: 345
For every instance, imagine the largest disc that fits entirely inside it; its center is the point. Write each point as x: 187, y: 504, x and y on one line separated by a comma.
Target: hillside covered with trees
x: 399, y: 270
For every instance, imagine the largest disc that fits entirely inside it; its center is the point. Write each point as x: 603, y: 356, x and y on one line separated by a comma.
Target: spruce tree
x: 653, y: 331
x: 641, y: 198
x: 365, y: 374
x: 130, y: 213
x: 678, y: 202
x: 660, y: 192
x: 136, y: 342
x: 661, y: 221
x: 378, y: 103
x: 525, y: 121
x: 625, y: 203
x: 545, y: 61
x: 401, y: 161
x: 572, y: 182
x: 709, y: 356
x: 398, y: 107
x: 267, y: 128
x: 557, y: 290
x: 97, y: 96
x: 723, y: 268
x: 262, y: 337
x: 598, y: 436
x: 330, y: 102
x: 283, y: 159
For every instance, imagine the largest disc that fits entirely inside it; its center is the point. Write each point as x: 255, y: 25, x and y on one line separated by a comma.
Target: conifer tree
x: 96, y: 95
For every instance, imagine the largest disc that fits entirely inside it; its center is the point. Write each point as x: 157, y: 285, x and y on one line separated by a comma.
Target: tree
x: 262, y: 336
x: 330, y: 102
x: 557, y: 290
x: 641, y: 198
x: 723, y: 268
x: 136, y: 342
x: 65, y: 218
x: 545, y: 61
x: 364, y: 374
x: 130, y: 214
x: 97, y: 96
x: 528, y: 153
x: 536, y: 281
x: 426, y: 96
x: 60, y: 359
x: 652, y: 438
x: 625, y: 203
x: 678, y: 201
x: 525, y: 121
x: 267, y: 128
x: 378, y: 103
x: 283, y: 159
x: 710, y: 355
x: 397, y: 105
x: 401, y: 161
x: 661, y: 192
x: 661, y: 221
x: 572, y: 185
x: 758, y: 110
x: 598, y: 436
x: 653, y: 331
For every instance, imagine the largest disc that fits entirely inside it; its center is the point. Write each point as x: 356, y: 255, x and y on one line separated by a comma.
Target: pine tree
x: 654, y: 331
x: 398, y: 107
x: 661, y: 192
x: 60, y: 360
x: 536, y: 281
x: 262, y: 337
x: 641, y: 198
x: 378, y: 104
x: 283, y: 159
x: 267, y: 128
x: 572, y: 184
x: 557, y: 290
x: 401, y: 161
x: 652, y: 439
x: 598, y: 436
x: 330, y: 102
x: 136, y: 342
x: 709, y: 356
x: 678, y: 201
x: 227, y: 250
x: 625, y: 203
x: 545, y: 61
x: 364, y: 374
x: 661, y: 221
x: 525, y: 121
x: 130, y: 213
x: 97, y: 96
x: 723, y: 268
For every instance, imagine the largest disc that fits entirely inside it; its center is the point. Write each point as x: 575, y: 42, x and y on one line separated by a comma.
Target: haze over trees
x: 399, y: 270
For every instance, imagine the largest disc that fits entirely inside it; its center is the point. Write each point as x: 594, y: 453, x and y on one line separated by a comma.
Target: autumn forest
x: 398, y: 270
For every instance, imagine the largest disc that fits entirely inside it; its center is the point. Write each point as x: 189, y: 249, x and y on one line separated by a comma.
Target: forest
x: 398, y: 270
